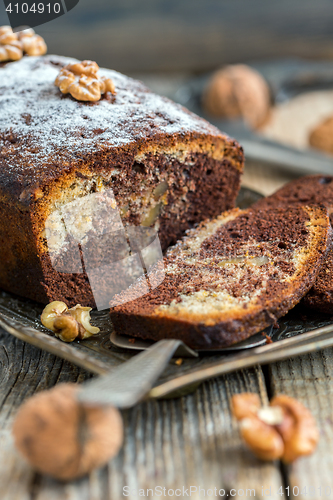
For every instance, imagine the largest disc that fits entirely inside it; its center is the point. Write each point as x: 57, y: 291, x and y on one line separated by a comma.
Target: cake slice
x: 231, y: 277
x: 161, y: 166
x: 310, y: 189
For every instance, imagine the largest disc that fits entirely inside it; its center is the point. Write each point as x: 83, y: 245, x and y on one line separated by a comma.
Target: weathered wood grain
x: 191, y: 441
x: 23, y: 371
x: 310, y: 379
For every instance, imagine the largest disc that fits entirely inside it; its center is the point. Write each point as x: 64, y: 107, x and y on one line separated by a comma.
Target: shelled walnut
x: 82, y: 81
x: 283, y: 430
x: 68, y: 324
x: 10, y: 47
x: 32, y: 44
x: 14, y: 45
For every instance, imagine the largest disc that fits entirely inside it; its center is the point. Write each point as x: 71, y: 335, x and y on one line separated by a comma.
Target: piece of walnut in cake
x: 165, y: 168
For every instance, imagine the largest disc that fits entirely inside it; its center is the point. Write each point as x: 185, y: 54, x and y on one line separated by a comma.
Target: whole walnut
x: 238, y: 91
x: 321, y: 137
x: 63, y: 438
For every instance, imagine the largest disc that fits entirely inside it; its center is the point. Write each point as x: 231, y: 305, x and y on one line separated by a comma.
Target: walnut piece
x: 265, y: 442
x: 88, y: 68
x: 68, y: 324
x: 298, y: 428
x: 82, y: 316
x: 284, y: 430
x: 33, y: 45
x: 66, y: 328
x: 82, y: 81
x: 246, y: 405
x: 10, y: 47
x: 14, y: 45
x: 63, y: 438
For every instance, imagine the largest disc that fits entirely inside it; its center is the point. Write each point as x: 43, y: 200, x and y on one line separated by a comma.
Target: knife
x: 134, y: 380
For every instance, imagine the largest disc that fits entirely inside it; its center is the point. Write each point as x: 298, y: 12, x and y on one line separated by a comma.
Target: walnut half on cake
x: 166, y: 168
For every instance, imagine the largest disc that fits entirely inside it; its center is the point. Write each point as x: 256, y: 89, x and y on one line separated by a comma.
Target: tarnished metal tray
x: 98, y: 355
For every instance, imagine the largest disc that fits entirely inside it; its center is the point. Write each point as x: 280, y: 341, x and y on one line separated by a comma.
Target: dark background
x: 189, y: 35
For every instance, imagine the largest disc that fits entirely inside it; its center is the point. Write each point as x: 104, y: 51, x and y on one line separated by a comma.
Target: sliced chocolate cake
x: 163, y: 167
x: 231, y: 277
x: 309, y: 190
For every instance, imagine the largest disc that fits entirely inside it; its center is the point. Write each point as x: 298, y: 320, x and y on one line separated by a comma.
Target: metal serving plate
x: 20, y: 317
x: 97, y: 354
x: 126, y: 342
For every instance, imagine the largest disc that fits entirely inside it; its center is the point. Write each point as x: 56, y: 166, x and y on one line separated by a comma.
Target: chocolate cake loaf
x: 231, y: 277
x: 311, y: 189
x: 165, y: 167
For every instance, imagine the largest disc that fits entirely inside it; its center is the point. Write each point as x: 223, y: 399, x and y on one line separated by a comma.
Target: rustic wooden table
x: 177, y: 443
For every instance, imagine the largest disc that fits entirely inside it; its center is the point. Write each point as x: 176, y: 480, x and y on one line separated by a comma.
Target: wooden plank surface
x: 310, y: 380
x: 190, y: 441
x: 23, y: 371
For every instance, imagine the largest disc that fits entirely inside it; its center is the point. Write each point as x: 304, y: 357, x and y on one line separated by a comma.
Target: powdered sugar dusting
x: 43, y: 131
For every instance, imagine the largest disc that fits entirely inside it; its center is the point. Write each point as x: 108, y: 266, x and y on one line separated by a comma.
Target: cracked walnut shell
x: 82, y: 81
x: 14, y: 45
x: 283, y: 430
x: 63, y: 438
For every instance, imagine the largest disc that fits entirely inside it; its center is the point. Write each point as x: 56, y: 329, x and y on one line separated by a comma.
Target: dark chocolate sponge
x: 231, y: 277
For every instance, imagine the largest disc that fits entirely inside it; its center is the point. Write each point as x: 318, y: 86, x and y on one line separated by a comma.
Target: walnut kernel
x: 33, y: 45
x: 63, y: 438
x: 284, y: 430
x: 82, y: 81
x: 85, y: 89
x: 107, y: 85
x: 88, y: 68
x: 51, y: 311
x: 10, y: 47
x: 10, y: 53
x: 68, y: 324
x: 298, y: 428
x: 82, y: 316
x: 65, y: 327
x: 265, y: 442
x: 245, y: 405
x: 7, y: 35
x: 14, y: 45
